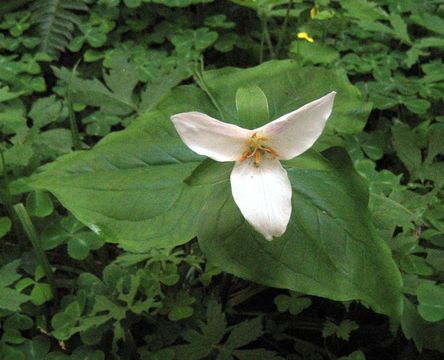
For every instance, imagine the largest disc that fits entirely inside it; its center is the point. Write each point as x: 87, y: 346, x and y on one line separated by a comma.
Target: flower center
x: 256, y: 148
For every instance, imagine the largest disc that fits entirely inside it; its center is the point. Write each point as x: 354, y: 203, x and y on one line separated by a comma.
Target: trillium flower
x: 260, y: 185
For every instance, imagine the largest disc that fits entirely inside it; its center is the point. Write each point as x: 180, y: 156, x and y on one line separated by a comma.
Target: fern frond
x: 7, y: 6
x: 56, y: 21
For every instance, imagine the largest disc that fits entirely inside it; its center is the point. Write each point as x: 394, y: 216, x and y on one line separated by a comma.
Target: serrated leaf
x: 8, y: 274
x: 45, y: 111
x: 11, y: 299
x: 407, y: 148
x: 93, y: 92
x: 215, y: 327
x: 244, y: 333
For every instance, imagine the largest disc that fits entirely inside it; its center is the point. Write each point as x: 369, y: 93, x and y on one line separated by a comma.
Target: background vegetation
x: 74, y: 71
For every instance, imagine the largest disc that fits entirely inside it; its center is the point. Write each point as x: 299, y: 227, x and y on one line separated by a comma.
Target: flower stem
x: 266, y: 35
x: 200, y: 81
x: 26, y: 222
x: 72, y: 116
x: 261, y: 48
x: 284, y: 27
x: 6, y: 195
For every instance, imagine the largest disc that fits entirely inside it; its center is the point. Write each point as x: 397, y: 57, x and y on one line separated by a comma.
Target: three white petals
x: 259, y: 183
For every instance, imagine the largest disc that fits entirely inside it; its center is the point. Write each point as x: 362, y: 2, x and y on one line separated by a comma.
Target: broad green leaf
x: 130, y: 187
x: 252, y: 106
x: 285, y: 85
x: 330, y: 248
x: 134, y: 186
x: 431, y: 302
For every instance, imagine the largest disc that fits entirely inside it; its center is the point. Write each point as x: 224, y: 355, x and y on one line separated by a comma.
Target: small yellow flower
x: 313, y: 12
x: 305, y: 36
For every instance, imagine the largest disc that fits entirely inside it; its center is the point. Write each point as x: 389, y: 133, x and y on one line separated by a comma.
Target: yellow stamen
x: 305, y: 36
x: 257, y: 159
x: 271, y: 151
x: 256, y: 149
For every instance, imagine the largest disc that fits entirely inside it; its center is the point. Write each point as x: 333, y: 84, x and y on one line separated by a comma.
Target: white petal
x: 263, y: 195
x: 210, y: 137
x: 292, y: 134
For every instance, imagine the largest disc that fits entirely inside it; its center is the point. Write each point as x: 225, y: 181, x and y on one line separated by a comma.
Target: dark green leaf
x: 330, y: 248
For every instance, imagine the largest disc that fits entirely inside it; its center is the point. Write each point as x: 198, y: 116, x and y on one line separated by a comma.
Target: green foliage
x: 56, y: 21
x: 342, y: 331
x: 293, y: 303
x: 119, y: 233
x: 431, y: 302
x: 154, y: 152
x: 313, y: 227
x: 209, y: 338
x: 11, y: 298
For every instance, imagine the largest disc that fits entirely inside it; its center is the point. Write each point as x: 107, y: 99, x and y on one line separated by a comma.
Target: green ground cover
x: 118, y: 242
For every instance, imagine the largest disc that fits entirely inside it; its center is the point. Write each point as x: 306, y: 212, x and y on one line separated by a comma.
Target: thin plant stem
x: 72, y: 116
x: 284, y: 27
x: 200, y: 81
x: 266, y: 32
x: 132, y: 347
x: 29, y: 229
x: 261, y: 48
x: 8, y: 202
